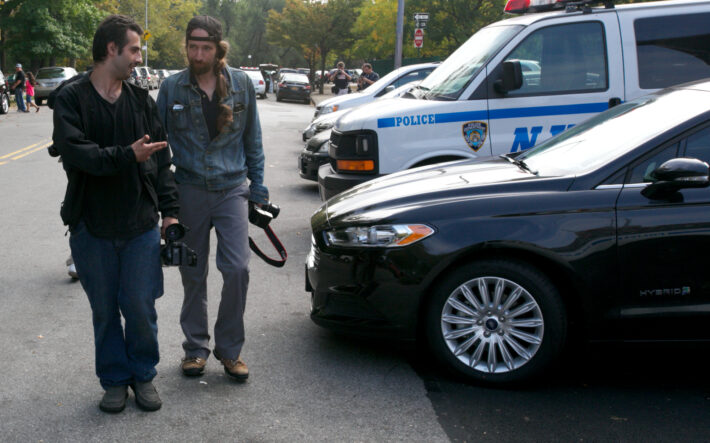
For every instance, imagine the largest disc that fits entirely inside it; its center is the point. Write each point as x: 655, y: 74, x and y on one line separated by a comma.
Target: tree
x: 314, y: 28
x: 41, y: 31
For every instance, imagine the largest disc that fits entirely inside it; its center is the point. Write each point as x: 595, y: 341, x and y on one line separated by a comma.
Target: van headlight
x: 381, y: 236
x: 328, y: 109
x: 324, y: 147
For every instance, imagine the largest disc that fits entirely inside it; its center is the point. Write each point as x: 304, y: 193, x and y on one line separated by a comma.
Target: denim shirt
x: 233, y: 156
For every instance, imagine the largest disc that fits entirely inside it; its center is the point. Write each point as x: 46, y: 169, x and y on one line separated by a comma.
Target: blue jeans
x: 20, y: 100
x: 121, y: 277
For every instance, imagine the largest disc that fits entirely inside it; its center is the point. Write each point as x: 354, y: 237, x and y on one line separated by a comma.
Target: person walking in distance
x: 112, y: 145
x: 18, y: 85
x: 30, y: 93
x: 209, y: 112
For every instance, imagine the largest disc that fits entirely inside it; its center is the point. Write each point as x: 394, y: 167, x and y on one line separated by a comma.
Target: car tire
x: 467, y: 327
x: 278, y: 99
x: 4, y: 104
x: 307, y: 101
x: 39, y: 101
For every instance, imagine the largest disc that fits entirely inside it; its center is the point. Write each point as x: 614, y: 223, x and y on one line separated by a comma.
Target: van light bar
x: 523, y: 6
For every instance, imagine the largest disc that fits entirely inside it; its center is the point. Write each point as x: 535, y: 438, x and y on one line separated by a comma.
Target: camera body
x: 262, y: 216
x: 175, y: 252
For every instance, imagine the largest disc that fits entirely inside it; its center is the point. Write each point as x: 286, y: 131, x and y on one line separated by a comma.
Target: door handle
x: 614, y: 101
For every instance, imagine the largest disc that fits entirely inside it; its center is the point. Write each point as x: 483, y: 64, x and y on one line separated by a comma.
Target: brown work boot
x: 234, y: 368
x: 193, y: 366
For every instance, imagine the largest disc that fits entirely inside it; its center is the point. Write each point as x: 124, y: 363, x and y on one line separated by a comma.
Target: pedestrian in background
x: 112, y: 145
x: 30, y: 93
x: 19, y: 86
x: 367, y: 77
x: 340, y: 78
x: 209, y: 111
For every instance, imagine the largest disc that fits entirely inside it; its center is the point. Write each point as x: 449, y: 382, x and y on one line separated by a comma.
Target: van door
x: 571, y: 67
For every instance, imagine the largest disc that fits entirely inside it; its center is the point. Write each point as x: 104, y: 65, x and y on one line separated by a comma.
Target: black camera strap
x: 277, y: 245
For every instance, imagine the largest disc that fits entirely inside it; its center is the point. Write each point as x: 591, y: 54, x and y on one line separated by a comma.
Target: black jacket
x: 73, y: 135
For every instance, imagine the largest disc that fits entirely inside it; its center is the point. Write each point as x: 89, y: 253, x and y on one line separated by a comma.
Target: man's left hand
x: 167, y: 221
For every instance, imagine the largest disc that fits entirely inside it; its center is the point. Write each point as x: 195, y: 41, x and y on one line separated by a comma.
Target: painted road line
x: 30, y: 152
x: 19, y: 150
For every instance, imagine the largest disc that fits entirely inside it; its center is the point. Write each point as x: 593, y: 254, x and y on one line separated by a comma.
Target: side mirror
x: 511, y: 77
x: 677, y: 174
x: 389, y: 88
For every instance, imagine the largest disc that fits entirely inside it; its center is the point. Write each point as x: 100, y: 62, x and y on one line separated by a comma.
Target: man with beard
x: 113, y: 150
x: 209, y: 112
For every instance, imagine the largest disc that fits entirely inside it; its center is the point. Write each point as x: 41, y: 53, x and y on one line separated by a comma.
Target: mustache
x: 199, y: 68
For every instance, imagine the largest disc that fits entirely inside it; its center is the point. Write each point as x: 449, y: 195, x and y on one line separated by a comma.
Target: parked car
x: 162, y: 74
x: 387, y: 83
x: 49, y: 78
x: 599, y: 232
x: 137, y: 79
x: 257, y: 80
x: 293, y: 86
x: 4, y: 95
x: 148, y: 77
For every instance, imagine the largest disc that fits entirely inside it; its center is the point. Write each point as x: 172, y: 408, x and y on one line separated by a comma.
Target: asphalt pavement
x: 306, y: 384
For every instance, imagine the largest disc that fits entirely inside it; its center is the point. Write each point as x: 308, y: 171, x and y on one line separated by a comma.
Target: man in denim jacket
x: 209, y: 112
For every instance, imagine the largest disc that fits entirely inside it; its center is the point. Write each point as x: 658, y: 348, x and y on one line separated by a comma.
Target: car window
x: 299, y: 78
x: 562, y: 59
x: 698, y: 145
x: 672, y: 49
x: 50, y: 73
x: 640, y: 172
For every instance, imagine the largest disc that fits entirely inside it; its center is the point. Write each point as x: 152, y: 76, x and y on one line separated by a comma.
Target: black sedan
x: 293, y: 86
x: 314, y: 154
x: 601, y: 232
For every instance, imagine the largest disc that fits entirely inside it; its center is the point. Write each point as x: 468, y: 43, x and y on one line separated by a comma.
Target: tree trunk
x: 323, y: 56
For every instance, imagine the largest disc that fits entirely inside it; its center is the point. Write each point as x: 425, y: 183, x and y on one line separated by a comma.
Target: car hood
x: 348, y: 100
x: 476, y: 179
x: 386, y: 110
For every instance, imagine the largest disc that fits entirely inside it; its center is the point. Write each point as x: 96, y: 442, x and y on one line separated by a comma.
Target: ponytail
x: 224, y: 114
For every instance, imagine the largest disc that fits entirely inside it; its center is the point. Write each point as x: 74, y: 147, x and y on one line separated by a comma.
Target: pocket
x: 179, y: 115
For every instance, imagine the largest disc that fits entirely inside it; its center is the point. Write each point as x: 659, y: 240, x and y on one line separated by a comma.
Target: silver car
x: 49, y: 78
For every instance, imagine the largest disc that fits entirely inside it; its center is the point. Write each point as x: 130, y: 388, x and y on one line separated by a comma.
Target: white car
x: 393, y: 80
x: 49, y: 78
x: 258, y: 80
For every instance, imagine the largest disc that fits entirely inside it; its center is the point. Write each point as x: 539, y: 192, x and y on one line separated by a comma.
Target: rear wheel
x: 4, y: 104
x: 497, y: 321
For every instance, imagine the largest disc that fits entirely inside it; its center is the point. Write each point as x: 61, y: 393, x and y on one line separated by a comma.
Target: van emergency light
x: 523, y: 6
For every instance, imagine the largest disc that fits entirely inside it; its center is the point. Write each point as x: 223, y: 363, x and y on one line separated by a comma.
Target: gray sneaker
x: 114, y: 399
x: 146, y: 396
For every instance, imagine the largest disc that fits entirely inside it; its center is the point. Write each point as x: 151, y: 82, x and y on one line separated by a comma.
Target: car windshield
x: 387, y: 80
x: 449, y: 80
x: 401, y: 90
x: 50, y: 73
x: 296, y: 78
x: 613, y: 133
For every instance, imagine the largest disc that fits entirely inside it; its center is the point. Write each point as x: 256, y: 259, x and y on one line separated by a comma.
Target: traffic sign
x: 418, y: 38
x: 146, y: 35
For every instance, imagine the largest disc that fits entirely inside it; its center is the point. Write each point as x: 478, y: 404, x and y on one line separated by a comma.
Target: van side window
x: 562, y: 59
x: 672, y: 49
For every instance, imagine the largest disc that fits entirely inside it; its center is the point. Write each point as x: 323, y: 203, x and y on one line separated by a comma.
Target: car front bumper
x: 309, y: 162
x: 331, y: 183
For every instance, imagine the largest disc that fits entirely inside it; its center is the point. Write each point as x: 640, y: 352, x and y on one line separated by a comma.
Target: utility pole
x: 399, y: 35
x: 146, y: 28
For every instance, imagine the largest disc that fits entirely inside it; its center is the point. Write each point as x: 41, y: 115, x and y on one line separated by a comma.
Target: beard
x: 199, y: 69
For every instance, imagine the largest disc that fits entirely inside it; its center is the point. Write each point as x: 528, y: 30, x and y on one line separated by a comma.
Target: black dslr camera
x: 262, y: 216
x: 174, y: 252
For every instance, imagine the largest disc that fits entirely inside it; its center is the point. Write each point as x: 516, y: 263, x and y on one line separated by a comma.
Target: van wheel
x: 4, y: 104
x: 496, y: 321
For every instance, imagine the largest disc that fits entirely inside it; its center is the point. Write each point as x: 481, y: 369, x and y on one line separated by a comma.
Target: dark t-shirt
x: 20, y: 75
x: 341, y: 81
x: 210, y: 108
x: 111, y: 202
x: 372, y: 76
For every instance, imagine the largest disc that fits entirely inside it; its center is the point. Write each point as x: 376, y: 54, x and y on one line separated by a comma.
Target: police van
x: 520, y: 81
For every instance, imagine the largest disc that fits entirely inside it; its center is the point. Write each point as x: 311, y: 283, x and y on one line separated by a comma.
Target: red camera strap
x: 277, y: 245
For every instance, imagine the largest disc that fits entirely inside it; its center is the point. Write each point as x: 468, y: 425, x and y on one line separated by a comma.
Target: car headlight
x: 310, y: 131
x: 329, y: 109
x: 324, y: 125
x: 381, y: 236
x: 324, y: 147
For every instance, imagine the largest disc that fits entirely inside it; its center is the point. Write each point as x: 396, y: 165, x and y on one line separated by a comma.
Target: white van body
x: 575, y: 65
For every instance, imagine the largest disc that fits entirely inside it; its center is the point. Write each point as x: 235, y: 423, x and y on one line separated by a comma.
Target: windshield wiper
x: 519, y: 163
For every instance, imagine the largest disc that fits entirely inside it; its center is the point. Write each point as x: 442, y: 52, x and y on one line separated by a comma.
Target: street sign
x: 418, y: 38
x: 146, y: 35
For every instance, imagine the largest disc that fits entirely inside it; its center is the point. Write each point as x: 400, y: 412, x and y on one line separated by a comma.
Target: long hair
x: 224, y: 115
x: 31, y: 78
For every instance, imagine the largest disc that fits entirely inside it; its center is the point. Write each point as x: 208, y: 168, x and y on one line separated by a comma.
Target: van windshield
x: 449, y: 80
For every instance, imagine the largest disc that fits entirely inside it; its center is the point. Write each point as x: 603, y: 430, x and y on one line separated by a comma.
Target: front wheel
x: 4, y: 104
x: 497, y: 321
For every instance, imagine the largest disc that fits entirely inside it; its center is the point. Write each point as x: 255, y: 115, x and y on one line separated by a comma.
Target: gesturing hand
x: 143, y: 149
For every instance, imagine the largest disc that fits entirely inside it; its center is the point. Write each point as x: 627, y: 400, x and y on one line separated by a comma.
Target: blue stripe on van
x: 538, y: 111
